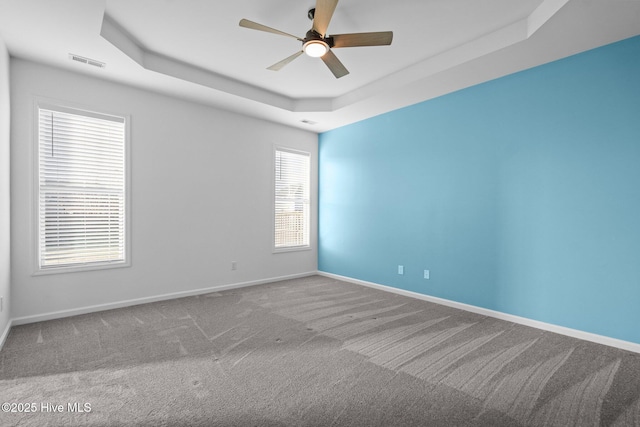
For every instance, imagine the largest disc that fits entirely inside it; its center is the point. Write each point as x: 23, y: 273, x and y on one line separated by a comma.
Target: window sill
x: 79, y: 268
x: 291, y: 249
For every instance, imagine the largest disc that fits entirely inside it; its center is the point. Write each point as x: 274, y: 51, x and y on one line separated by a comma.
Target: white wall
x: 5, y: 258
x: 201, y: 196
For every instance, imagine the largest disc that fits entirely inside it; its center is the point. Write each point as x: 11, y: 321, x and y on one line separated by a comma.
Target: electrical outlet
x: 1, y: 304
x: 234, y: 265
x: 426, y: 274
x: 401, y: 269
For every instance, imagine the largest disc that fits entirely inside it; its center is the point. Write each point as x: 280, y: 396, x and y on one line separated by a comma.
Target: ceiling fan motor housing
x: 314, y: 36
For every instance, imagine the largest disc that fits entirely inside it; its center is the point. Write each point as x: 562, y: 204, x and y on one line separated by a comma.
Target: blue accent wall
x: 520, y: 195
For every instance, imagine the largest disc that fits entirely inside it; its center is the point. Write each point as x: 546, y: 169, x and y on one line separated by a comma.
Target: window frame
x: 73, y: 108
x: 296, y: 248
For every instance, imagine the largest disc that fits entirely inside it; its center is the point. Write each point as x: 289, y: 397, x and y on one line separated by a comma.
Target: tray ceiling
x: 195, y: 48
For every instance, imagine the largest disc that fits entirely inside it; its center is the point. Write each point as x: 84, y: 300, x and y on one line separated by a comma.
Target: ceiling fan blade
x: 334, y: 64
x: 382, y: 38
x: 255, y: 26
x: 279, y: 65
x: 322, y: 17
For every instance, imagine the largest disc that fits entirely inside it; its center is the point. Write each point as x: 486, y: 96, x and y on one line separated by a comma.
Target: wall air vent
x: 88, y: 61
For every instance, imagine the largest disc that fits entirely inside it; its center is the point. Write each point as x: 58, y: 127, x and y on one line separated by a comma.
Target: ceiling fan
x: 318, y: 44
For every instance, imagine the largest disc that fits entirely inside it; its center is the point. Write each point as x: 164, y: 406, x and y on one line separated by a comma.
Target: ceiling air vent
x: 309, y: 122
x: 88, y: 61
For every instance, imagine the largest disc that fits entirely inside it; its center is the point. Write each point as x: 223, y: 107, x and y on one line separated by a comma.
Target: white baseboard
x: 110, y: 306
x: 5, y: 334
x: 587, y: 336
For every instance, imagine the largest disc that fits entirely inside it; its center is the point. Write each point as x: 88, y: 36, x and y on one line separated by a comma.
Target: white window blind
x: 81, y: 197
x: 292, y: 211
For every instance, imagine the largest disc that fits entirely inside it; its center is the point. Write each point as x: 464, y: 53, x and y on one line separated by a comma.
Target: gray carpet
x: 311, y: 352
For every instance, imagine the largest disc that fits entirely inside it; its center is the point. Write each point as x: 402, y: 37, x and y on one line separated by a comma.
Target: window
x: 292, y: 210
x: 81, y: 189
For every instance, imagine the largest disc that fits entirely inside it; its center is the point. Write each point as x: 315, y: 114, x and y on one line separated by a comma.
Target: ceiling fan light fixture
x: 315, y: 48
x: 318, y: 44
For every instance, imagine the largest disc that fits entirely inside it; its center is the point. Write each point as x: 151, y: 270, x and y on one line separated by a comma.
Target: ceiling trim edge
x: 514, y: 33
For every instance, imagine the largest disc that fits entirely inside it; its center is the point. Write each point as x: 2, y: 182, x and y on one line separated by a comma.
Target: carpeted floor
x: 310, y: 352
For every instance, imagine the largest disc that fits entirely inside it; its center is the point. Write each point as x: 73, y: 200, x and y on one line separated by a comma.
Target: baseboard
x: 5, y: 334
x: 120, y: 304
x: 587, y: 336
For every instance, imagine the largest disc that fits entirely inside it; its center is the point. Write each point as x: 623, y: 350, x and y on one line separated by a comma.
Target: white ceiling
x: 195, y: 49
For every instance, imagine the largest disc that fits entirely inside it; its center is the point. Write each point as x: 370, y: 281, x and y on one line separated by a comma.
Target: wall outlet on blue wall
x: 401, y: 269
x: 426, y: 274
